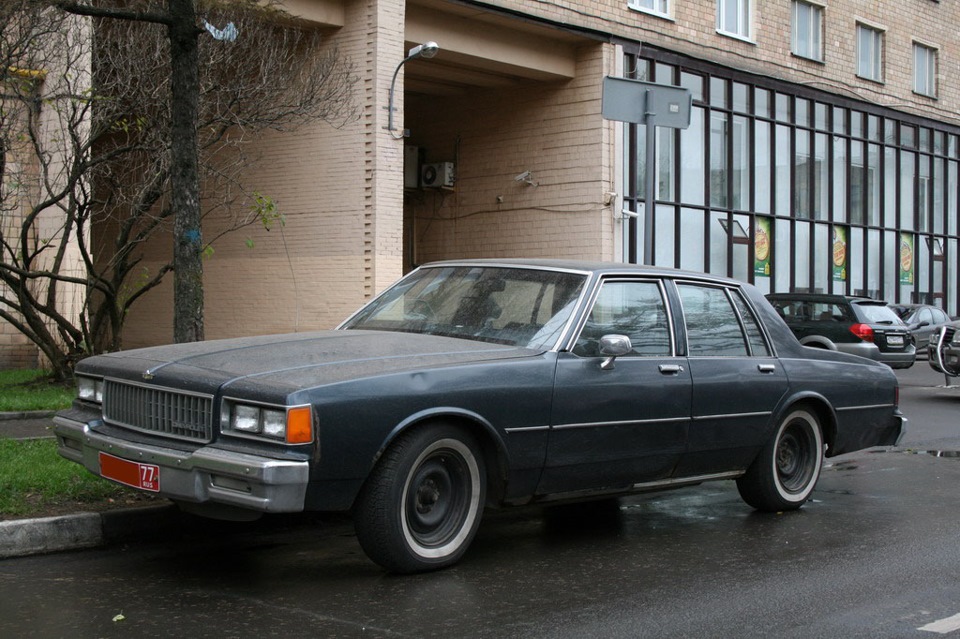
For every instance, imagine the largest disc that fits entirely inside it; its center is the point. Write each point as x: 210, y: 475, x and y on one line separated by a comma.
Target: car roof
x: 821, y: 297
x: 586, y: 267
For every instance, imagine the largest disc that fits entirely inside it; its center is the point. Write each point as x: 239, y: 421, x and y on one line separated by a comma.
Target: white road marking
x: 943, y: 626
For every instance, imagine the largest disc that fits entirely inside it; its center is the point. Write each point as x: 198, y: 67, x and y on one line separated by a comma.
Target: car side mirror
x: 612, y: 347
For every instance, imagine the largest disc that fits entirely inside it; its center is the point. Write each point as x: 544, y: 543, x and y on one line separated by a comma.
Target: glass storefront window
x: 762, y: 167
x: 952, y: 194
x: 782, y: 174
x: 666, y: 162
x: 741, y: 98
x: 783, y: 107
x: 718, y: 243
x: 809, y: 166
x: 740, y: 177
x: 923, y: 194
x: 761, y: 102
x: 718, y: 92
x: 802, y: 255
x: 719, y: 178
x: 873, y: 184
x: 857, y: 182
x: 890, y: 131
x: 801, y: 175
x: 873, y: 128
x: 821, y: 178
x: 820, y: 116
x: 782, y: 254
x: 823, y: 262
x: 693, y: 83
x: 664, y: 234
x: 692, y: 160
x: 938, y: 185
x: 890, y: 266
x: 691, y: 239
x: 889, y: 187
x: 907, y: 174
x: 839, y: 120
x: 801, y: 109
x: 856, y: 124
x: 840, y: 193
x: 908, y: 136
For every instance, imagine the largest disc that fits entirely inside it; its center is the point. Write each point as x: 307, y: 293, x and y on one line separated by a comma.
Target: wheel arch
x: 818, y: 341
x: 822, y: 410
x: 493, y: 448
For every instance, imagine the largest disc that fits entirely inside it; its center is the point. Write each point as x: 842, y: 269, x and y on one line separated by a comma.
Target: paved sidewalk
x: 29, y: 425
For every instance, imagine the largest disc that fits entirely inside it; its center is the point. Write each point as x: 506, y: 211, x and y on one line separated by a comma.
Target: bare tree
x: 91, y: 175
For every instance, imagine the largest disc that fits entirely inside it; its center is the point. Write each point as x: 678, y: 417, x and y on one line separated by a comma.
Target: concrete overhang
x: 322, y: 13
x: 480, y: 48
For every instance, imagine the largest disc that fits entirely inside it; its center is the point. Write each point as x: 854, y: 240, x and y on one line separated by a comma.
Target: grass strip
x: 25, y: 390
x: 34, y: 479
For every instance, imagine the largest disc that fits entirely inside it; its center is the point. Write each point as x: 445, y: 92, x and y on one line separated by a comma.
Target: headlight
x: 290, y: 424
x: 90, y: 389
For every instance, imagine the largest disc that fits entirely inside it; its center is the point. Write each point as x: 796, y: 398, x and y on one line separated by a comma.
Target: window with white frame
x: 807, y: 30
x: 924, y: 70
x: 733, y: 18
x: 656, y: 7
x: 869, y: 53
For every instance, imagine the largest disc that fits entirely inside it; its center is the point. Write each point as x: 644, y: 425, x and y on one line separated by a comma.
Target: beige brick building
x: 828, y: 129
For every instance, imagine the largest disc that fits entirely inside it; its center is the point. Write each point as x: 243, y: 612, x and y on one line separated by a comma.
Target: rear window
x: 878, y: 314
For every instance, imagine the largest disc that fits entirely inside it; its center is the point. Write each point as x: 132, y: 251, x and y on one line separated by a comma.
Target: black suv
x: 857, y: 325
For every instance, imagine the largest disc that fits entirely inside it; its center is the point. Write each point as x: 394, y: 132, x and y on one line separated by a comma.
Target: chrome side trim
x: 628, y: 422
x: 865, y: 407
x: 525, y: 429
x: 763, y: 413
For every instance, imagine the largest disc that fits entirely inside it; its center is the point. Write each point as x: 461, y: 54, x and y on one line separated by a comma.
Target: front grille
x: 161, y: 411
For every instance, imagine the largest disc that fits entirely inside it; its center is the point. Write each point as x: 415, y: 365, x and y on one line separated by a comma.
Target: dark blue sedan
x: 484, y: 383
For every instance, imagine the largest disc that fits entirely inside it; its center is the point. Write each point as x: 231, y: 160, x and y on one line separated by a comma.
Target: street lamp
x: 426, y: 51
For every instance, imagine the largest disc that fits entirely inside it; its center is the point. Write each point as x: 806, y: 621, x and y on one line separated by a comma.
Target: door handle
x: 671, y: 369
x: 766, y: 368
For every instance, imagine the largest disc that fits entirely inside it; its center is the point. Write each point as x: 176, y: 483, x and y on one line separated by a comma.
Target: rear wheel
x: 421, y: 506
x: 785, y: 472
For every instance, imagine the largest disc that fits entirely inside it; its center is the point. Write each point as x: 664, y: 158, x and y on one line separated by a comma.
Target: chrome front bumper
x: 206, y: 476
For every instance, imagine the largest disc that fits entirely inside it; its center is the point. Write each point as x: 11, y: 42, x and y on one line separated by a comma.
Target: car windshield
x: 514, y: 306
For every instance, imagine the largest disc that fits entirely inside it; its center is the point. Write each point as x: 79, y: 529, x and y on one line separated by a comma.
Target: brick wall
x: 554, y: 131
x: 340, y: 191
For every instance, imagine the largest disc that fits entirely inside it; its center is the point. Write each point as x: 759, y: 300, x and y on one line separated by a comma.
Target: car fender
x: 488, y: 433
x: 825, y: 411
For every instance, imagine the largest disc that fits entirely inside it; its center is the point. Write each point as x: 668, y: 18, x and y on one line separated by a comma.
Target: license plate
x: 895, y: 340
x: 143, y: 476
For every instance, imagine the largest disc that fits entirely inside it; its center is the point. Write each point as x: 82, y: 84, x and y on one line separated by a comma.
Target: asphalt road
x: 873, y: 555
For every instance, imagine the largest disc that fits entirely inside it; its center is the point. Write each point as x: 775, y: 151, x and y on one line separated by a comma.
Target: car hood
x: 294, y: 361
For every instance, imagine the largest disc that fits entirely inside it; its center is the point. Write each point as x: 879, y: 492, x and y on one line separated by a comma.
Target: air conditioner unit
x: 437, y: 175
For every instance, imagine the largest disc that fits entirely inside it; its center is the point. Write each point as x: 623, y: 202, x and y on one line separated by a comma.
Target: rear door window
x: 713, y: 324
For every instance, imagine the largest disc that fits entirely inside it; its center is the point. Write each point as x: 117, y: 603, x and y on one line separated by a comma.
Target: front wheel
x: 785, y: 472
x: 421, y: 505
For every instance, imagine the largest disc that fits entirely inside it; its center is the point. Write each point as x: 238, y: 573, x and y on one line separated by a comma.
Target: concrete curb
x: 29, y: 414
x: 23, y: 537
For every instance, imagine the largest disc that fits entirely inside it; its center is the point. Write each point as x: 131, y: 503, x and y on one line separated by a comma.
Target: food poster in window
x: 906, y: 258
x: 762, y: 246
x: 839, y: 253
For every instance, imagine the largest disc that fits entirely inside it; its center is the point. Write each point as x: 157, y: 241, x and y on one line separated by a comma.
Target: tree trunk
x: 185, y: 179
